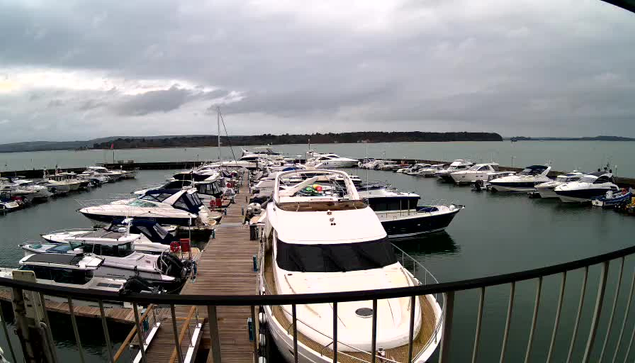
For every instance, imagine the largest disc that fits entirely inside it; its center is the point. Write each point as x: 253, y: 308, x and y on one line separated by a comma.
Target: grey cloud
x: 448, y: 65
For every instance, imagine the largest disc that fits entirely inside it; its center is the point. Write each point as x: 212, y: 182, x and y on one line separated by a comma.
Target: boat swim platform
x: 225, y: 267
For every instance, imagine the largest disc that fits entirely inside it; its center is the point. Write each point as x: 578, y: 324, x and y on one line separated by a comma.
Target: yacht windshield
x: 341, y: 257
x: 141, y: 203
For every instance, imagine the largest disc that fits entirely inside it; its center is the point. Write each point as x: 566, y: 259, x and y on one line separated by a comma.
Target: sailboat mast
x: 218, y: 126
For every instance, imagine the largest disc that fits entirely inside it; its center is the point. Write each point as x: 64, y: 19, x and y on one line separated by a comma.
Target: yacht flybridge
x: 166, y: 206
x: 321, y: 237
x: 457, y: 165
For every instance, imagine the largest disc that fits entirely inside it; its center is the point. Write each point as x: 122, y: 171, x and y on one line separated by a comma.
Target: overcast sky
x: 83, y: 69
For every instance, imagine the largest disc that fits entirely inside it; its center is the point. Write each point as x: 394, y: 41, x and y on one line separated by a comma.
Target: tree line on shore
x: 316, y: 138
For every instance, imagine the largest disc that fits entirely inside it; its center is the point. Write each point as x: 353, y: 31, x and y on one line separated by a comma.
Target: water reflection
x: 431, y: 244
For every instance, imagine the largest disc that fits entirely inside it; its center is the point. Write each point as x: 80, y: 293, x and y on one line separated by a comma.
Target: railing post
x: 140, y: 336
x: 6, y: 333
x: 479, y: 317
x: 579, y: 314
x: 626, y: 315
x: 295, y: 333
x: 448, y: 312
x: 373, y: 342
x: 78, y: 340
x: 508, y: 322
x: 175, y: 331
x: 413, y: 308
x: 534, y: 320
x: 213, y: 333
x: 104, y: 326
x: 599, y: 301
x: 556, y: 322
x: 612, y: 316
x: 335, y: 332
x: 49, y: 335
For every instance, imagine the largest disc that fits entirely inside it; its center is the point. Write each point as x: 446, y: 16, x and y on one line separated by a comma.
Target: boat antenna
x: 218, y: 131
x: 226, y: 134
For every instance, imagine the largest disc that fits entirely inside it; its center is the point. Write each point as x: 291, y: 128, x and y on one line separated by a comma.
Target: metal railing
x: 589, y: 338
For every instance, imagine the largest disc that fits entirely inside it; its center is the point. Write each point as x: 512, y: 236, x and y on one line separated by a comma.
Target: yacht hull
x: 548, y: 192
x: 521, y: 187
x: 417, y: 224
x: 580, y: 196
x: 161, y: 220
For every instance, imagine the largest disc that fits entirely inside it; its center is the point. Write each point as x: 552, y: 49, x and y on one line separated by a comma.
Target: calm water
x: 582, y: 155
x: 496, y: 233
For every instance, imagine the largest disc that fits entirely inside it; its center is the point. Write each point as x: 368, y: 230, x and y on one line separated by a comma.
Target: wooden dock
x: 225, y: 267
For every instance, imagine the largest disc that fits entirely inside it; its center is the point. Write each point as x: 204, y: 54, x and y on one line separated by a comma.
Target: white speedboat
x: 547, y: 190
x: 166, y: 206
x: 474, y: 173
x: 430, y: 171
x: 457, y: 165
x: 401, y: 215
x: 525, y: 181
x: 325, y: 161
x: 415, y: 169
x: 325, y: 240
x: 589, y: 187
x: 120, y: 259
x: 146, y: 236
x: 75, y: 271
x: 113, y: 175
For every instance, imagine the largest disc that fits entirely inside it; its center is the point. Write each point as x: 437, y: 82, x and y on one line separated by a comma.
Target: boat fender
x: 262, y: 340
x: 262, y: 318
x: 175, y: 247
x: 262, y: 359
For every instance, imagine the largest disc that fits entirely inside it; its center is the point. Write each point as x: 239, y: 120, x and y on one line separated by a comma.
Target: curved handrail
x: 242, y: 300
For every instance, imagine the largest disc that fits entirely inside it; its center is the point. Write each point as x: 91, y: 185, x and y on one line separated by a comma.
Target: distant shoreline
x: 157, y: 142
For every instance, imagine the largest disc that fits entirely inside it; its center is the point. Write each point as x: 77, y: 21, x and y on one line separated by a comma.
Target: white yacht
x: 589, y: 187
x: 24, y: 188
x: 525, y: 181
x: 75, y: 271
x: 120, y: 259
x: 401, y: 215
x: 166, y: 206
x: 474, y: 173
x: 547, y: 190
x: 321, y: 238
x: 456, y: 165
x: 430, y: 171
x: 146, y: 236
x: 330, y: 160
x: 416, y: 168
x: 113, y: 175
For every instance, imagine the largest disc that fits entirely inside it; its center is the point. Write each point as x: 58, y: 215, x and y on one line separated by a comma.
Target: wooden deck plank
x: 225, y: 267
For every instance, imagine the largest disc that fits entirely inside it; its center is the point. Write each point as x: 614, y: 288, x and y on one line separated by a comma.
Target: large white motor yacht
x: 322, y: 238
x: 476, y: 172
x: 547, y: 190
x: 330, y: 160
x: 525, y: 181
x: 588, y: 188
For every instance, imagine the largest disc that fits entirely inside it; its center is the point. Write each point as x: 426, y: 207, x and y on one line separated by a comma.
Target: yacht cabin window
x: 109, y: 250
x: 341, y: 257
x: 60, y: 275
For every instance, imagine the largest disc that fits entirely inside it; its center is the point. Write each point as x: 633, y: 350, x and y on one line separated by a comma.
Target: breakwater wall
x: 172, y: 165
